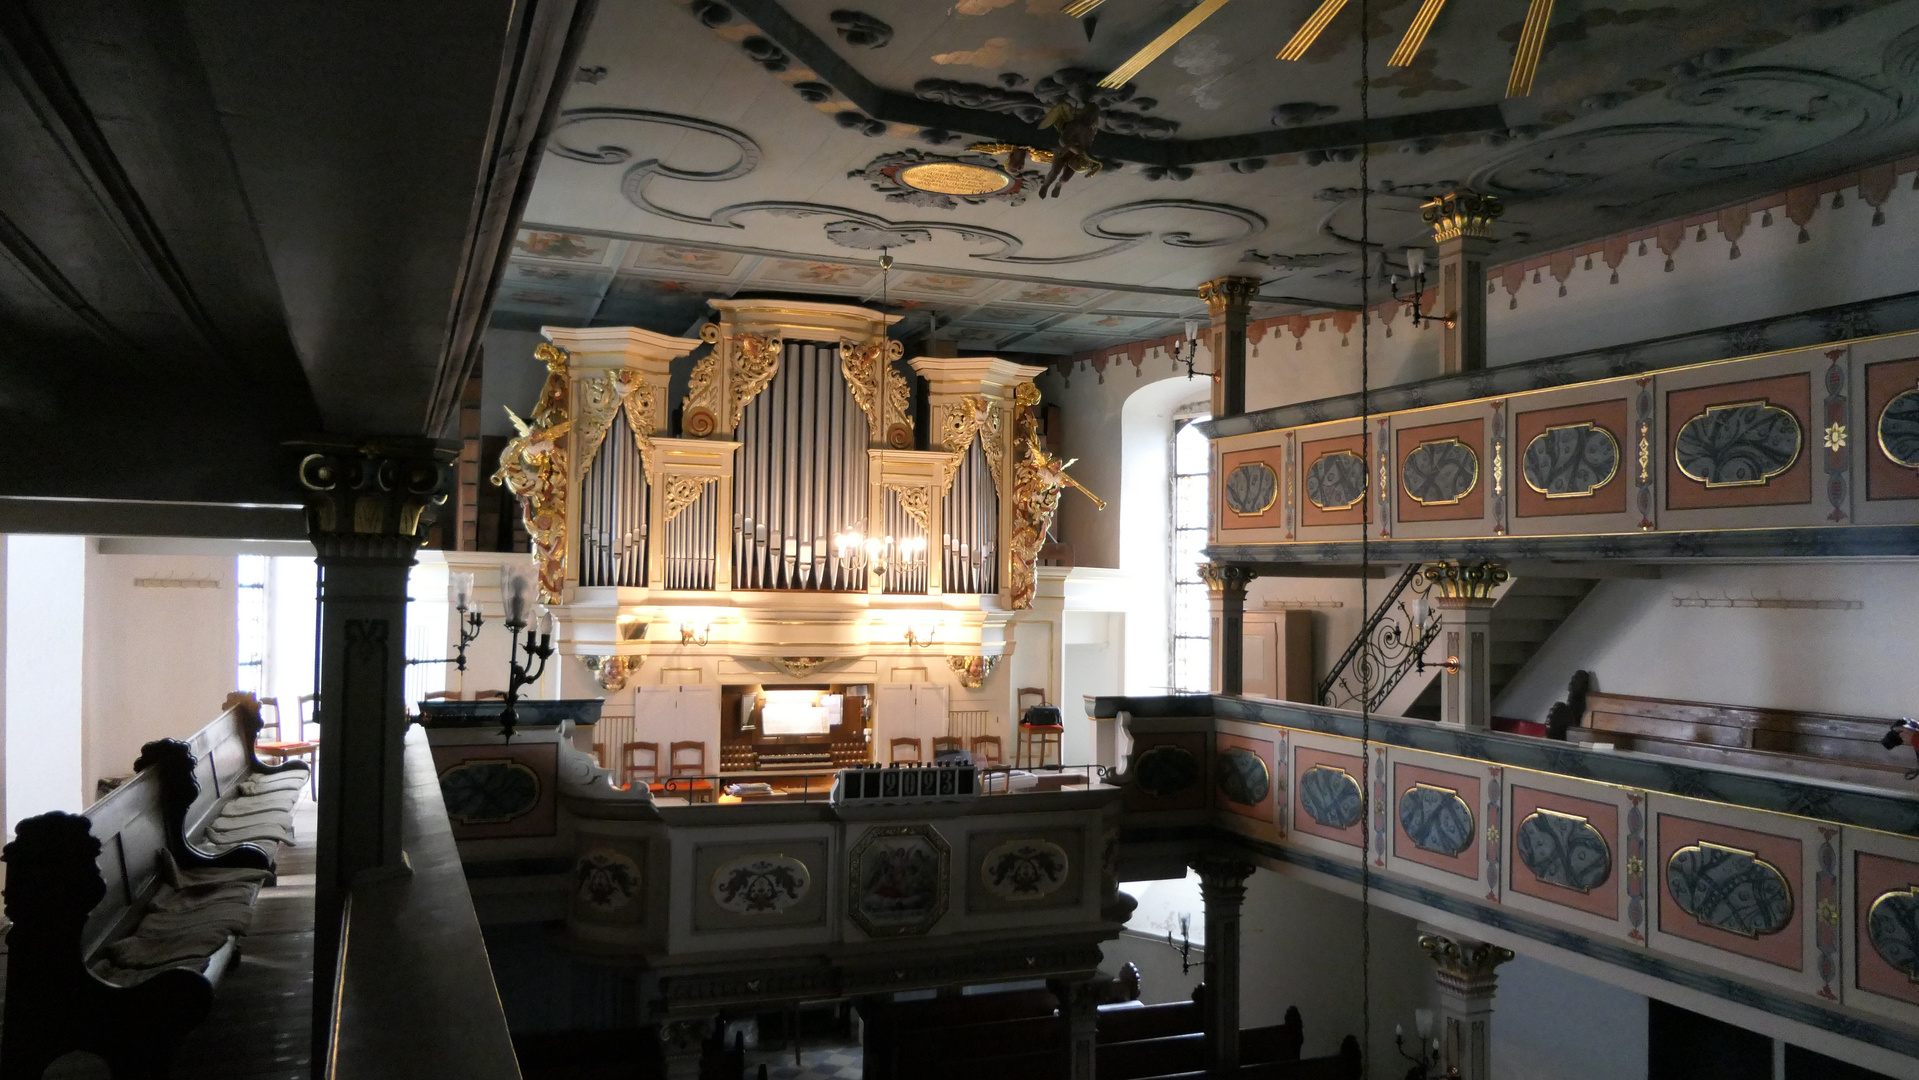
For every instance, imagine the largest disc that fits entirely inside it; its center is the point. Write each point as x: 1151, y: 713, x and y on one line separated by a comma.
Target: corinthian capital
x: 1225, y: 577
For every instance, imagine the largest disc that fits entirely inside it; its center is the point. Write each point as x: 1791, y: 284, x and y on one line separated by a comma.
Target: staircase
x: 1526, y: 613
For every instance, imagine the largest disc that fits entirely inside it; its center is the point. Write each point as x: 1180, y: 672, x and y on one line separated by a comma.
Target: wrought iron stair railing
x: 1391, y: 644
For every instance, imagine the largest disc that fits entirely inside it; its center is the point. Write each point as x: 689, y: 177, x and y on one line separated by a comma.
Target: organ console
x: 786, y: 514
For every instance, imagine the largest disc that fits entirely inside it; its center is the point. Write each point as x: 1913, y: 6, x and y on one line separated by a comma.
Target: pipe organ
x: 789, y: 531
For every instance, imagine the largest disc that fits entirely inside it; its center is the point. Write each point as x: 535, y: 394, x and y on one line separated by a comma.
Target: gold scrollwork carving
x: 682, y: 492
x: 1462, y: 213
x: 756, y: 359
x: 1464, y: 581
x: 972, y: 415
x: 599, y: 400
x: 611, y: 672
x: 915, y: 500
x: 799, y: 667
x: 533, y: 468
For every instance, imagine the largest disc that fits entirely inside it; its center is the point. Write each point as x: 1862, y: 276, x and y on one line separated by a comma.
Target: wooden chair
x: 986, y: 750
x: 946, y: 744
x: 273, y: 748
x: 631, y: 769
x: 905, y: 743
x: 309, y: 713
x: 688, y: 758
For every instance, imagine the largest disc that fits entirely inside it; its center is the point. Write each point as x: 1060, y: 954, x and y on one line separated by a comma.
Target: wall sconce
x: 1452, y: 665
x: 1187, y: 352
x: 687, y: 636
x: 1416, y: 266
x: 914, y: 641
x: 517, y: 584
x: 1425, y: 1062
x: 469, y: 622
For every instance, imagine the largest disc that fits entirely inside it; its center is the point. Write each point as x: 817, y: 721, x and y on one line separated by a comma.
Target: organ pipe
x: 801, y: 477
x: 613, y: 528
x: 970, y: 514
x: 689, y: 542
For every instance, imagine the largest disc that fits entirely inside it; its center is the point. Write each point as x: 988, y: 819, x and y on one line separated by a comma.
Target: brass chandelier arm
x: 1080, y: 8
x: 1310, y: 32
x: 1416, y: 34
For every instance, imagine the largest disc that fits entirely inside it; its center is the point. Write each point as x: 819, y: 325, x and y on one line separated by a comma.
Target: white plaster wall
x: 1161, y: 979
x: 45, y: 609
x: 1095, y: 652
x: 1549, y: 1023
x: 1634, y: 641
x: 159, y: 661
x: 1300, y: 945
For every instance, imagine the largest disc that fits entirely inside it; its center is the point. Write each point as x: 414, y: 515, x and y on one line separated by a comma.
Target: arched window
x: 1191, y: 663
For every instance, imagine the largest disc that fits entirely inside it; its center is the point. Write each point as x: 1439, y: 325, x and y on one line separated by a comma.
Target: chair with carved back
x: 639, y: 762
x: 986, y: 749
x: 903, y: 749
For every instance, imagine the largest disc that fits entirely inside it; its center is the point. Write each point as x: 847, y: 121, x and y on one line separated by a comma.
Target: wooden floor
x: 263, y: 1010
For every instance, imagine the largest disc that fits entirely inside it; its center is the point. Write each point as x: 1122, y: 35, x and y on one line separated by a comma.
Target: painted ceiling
x: 752, y: 147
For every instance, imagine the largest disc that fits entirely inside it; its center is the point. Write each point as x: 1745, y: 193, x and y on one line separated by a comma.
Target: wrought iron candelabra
x: 538, y: 646
x: 1426, y: 1061
x: 1416, y: 266
x: 1187, y: 352
x: 470, y: 622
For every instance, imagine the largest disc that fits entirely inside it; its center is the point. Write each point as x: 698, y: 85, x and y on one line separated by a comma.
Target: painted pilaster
x: 1467, y: 982
x: 1229, y: 300
x: 1227, y: 588
x: 1462, y: 226
x: 1079, y: 1017
x: 1464, y: 595
x: 1222, y: 884
x: 369, y: 505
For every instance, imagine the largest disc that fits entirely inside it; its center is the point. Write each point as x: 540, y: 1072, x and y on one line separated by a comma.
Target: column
x: 1228, y: 301
x: 1079, y: 1017
x: 369, y: 505
x: 1222, y: 884
x: 1462, y: 225
x: 1227, y: 585
x: 1464, y: 595
x: 1466, y: 986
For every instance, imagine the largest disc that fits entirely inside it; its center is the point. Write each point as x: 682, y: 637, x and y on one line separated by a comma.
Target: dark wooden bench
x: 1130, y: 1024
x: 1817, y: 746
x: 126, y: 916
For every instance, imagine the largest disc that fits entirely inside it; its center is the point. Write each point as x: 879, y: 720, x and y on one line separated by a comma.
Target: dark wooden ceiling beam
x: 545, y: 47
x: 28, y: 54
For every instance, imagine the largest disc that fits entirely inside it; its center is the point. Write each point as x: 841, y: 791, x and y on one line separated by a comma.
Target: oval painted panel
x: 1330, y: 797
x: 1336, y: 481
x: 760, y: 884
x: 1166, y: 770
x: 1733, y: 890
x: 1571, y: 461
x: 605, y: 880
x: 489, y: 791
x: 1440, y: 473
x: 1243, y: 776
x: 1436, y: 819
x: 1738, y: 445
x: 1563, y: 850
x: 1893, y: 927
x: 1899, y: 429
x: 1024, y: 869
x: 1252, y: 489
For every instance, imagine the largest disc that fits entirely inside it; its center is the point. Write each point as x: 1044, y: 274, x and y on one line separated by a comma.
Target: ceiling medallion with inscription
x: 943, y: 181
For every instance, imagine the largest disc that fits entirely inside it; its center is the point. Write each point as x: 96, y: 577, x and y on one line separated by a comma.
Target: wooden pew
x: 1815, y: 746
x: 1172, y: 1055
x: 1149, y: 1022
x: 124, y: 918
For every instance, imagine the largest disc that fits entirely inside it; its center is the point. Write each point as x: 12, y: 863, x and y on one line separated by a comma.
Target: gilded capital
x: 1224, y: 577
x: 1464, y: 581
x: 1229, y: 293
x: 1466, y: 964
x: 1462, y: 213
x: 375, y: 498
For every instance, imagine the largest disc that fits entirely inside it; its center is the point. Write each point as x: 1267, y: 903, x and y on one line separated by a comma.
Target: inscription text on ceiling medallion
x: 943, y: 181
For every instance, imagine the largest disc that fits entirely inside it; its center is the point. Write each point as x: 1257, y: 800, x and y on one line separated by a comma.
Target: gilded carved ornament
x: 1464, y: 962
x: 799, y: 667
x: 611, y: 672
x: 1225, y: 577
x: 1038, y: 480
x: 682, y: 492
x: 972, y: 671
x: 1464, y: 581
x: 533, y: 468
x: 877, y: 385
x: 972, y: 415
x: 917, y: 501
x: 600, y: 399
x: 756, y: 359
x: 1462, y: 213
x: 1224, y: 294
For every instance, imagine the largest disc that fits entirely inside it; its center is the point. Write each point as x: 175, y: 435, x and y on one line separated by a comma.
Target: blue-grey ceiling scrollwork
x: 1227, y: 224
